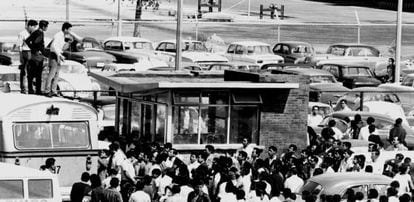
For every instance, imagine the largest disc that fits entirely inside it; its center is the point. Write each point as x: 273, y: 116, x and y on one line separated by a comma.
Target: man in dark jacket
x: 398, y: 131
x: 36, y: 44
x: 80, y: 189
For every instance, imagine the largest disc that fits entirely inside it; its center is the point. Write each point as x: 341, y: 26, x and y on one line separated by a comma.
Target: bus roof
x: 14, y: 101
x: 11, y: 171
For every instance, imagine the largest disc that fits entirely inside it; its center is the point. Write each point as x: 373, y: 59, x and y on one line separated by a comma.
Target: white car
x: 192, y: 51
x: 135, y: 52
x: 252, y: 52
x: 73, y: 76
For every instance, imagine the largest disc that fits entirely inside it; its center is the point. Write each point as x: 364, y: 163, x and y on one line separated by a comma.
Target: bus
x: 35, y: 128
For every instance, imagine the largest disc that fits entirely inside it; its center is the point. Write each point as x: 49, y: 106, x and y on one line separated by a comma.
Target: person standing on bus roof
x: 58, y: 44
x: 24, y: 51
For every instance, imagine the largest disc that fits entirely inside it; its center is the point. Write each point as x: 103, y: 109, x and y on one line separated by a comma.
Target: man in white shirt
x: 247, y: 147
x: 56, y: 58
x: 344, y: 107
x: 193, y: 164
x: 364, y: 132
x: 294, y: 183
x: 314, y: 119
x: 139, y: 195
x: 24, y: 51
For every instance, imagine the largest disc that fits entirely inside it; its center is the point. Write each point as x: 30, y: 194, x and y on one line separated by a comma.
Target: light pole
x: 119, y: 28
x: 398, y: 43
x: 67, y: 10
x: 178, y: 35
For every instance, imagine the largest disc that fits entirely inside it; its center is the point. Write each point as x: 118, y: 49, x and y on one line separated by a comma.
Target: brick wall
x: 288, y: 125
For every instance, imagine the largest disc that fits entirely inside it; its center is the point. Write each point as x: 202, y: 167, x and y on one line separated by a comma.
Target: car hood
x: 328, y: 87
x: 365, y: 80
x: 77, y: 81
x: 93, y: 54
x: 204, y: 57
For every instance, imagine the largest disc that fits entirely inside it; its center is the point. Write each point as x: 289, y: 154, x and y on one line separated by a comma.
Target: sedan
x: 90, y: 52
x: 323, y: 85
x: 252, y: 52
x: 383, y: 123
x: 192, y: 51
x: 351, y: 76
x: 293, y: 51
x: 338, y: 183
x: 137, y: 52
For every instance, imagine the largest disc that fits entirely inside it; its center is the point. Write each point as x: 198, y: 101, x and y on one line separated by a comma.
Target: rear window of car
x: 11, y: 189
x: 312, y: 187
x: 40, y: 189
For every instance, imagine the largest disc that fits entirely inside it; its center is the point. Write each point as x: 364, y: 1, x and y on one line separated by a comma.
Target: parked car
x: 323, y: 85
x: 324, y: 109
x: 9, y: 51
x: 281, y: 66
x: 337, y: 183
x: 89, y: 52
x: 293, y: 51
x: 18, y: 183
x: 136, y: 52
x: 351, y: 76
x: 383, y: 124
x: 353, y: 97
x: 252, y: 52
x: 73, y: 77
x: 233, y: 66
x: 9, y: 79
x: 192, y: 51
x: 405, y: 95
x: 351, y: 54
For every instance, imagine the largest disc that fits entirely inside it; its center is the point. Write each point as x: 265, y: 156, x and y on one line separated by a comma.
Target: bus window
x: 70, y: 135
x: 51, y: 135
x: 11, y: 189
x: 40, y: 189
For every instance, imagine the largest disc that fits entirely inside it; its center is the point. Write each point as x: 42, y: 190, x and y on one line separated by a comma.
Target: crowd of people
x: 137, y: 172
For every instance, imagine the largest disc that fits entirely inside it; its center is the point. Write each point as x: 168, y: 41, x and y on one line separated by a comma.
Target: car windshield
x: 85, y: 45
x: 408, y: 81
x: 357, y: 71
x: 9, y: 47
x: 322, y: 79
x: 138, y: 45
x: 258, y: 50
x: 301, y: 49
x: 72, y: 69
x: 194, y: 46
x: 312, y: 187
x: 336, y: 50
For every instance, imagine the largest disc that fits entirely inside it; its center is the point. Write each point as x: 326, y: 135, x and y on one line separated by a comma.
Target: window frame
x: 52, y: 147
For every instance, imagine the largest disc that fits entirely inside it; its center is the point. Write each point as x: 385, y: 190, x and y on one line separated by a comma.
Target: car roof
x: 308, y: 71
x: 368, y: 89
x: 251, y: 43
x: 319, y: 104
x: 182, y: 41
x: 11, y: 171
x: 345, y: 64
x: 127, y: 39
x: 335, y: 182
x: 352, y: 44
x: 294, y: 43
x: 343, y: 114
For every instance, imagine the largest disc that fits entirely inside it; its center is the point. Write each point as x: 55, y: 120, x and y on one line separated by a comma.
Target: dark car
x: 351, y: 76
x: 323, y: 85
x: 88, y: 50
x: 293, y: 51
x: 383, y: 124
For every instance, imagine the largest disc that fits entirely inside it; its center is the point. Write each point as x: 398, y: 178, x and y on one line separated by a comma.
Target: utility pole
x: 138, y: 13
x: 67, y: 10
x: 178, y: 35
x: 398, y: 42
x: 119, y: 29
